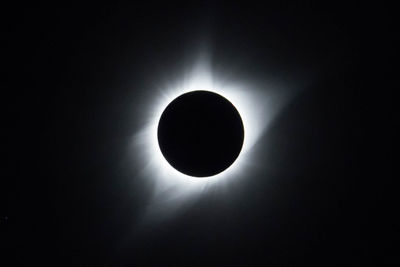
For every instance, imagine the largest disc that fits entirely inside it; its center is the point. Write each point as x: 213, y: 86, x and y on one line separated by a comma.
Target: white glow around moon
x: 171, y: 188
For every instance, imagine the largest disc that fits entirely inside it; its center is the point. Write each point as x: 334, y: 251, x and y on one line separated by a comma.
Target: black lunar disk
x: 200, y: 133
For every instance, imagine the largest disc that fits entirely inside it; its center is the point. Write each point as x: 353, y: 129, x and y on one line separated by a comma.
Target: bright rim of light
x: 218, y: 175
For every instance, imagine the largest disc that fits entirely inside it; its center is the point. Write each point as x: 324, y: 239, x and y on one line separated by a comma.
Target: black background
x: 67, y: 75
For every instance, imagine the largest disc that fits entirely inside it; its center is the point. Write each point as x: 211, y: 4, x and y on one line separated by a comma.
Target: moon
x: 200, y: 133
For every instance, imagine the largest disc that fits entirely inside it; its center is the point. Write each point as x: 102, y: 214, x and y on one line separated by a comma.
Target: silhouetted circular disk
x: 200, y: 133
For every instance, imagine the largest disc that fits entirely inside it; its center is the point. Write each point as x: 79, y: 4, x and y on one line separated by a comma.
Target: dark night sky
x: 67, y: 76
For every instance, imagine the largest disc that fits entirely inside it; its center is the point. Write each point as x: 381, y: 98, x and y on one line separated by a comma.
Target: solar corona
x: 199, y: 135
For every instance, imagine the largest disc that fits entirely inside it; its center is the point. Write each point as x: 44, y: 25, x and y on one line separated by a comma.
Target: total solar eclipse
x: 200, y: 133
